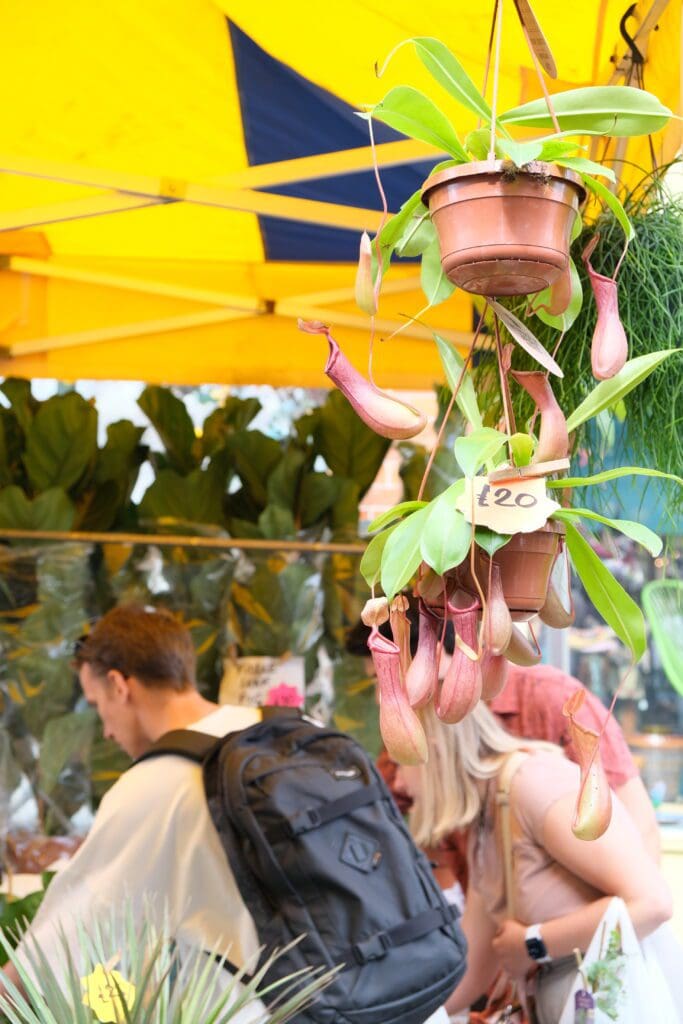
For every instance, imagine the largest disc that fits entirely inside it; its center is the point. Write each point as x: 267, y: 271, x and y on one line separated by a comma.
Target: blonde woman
x: 562, y: 885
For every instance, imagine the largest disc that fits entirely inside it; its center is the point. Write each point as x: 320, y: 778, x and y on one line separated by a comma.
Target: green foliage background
x: 226, y: 480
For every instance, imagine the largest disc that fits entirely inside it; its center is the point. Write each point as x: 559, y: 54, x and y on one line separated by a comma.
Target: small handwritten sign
x: 260, y: 680
x: 516, y: 506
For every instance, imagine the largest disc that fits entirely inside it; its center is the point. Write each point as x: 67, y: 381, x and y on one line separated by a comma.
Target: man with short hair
x: 152, y: 843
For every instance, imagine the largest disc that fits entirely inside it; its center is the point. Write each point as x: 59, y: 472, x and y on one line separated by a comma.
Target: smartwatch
x: 535, y: 946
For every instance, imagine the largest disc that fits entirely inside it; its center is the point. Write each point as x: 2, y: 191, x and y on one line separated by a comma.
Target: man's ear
x: 118, y: 685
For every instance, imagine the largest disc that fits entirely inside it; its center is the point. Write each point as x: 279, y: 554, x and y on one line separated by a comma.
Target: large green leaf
x: 453, y: 364
x: 195, y: 498
x: 521, y: 153
x: 636, y: 531
x: 284, y: 482
x: 319, y: 492
x: 122, y: 453
x: 490, y: 541
x: 447, y: 535
x: 98, y: 507
x: 451, y: 75
x: 61, y: 442
x: 277, y: 522
x: 418, y: 235
x: 172, y: 422
x: 234, y: 414
x: 6, y: 473
x: 435, y: 285
x: 610, y: 474
x: 393, y: 230
x: 555, y: 148
x: 255, y: 457
x: 609, y: 392
x: 478, y: 143
x: 525, y: 339
x: 118, y: 463
x: 615, y: 110
x: 619, y: 611
x: 414, y: 114
x: 473, y: 450
x: 402, y: 554
x: 400, y: 511
x: 12, y: 444
x: 51, y: 510
x: 23, y: 404
x: 583, y: 166
x: 371, y: 562
x: 610, y: 200
x: 345, y: 510
x: 349, y: 448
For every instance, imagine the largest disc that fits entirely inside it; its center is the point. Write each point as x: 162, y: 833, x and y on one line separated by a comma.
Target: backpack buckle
x: 373, y: 948
x: 303, y: 821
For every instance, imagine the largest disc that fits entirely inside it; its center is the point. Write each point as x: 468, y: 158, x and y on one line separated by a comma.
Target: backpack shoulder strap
x: 186, y: 743
x: 510, y: 765
x: 195, y: 746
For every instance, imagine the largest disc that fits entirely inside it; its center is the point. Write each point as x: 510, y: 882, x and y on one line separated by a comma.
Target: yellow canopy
x: 137, y: 241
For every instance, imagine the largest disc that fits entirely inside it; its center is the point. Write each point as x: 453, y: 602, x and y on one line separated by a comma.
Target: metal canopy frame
x: 124, y: 192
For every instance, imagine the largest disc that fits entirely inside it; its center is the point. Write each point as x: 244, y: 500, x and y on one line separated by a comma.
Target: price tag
x: 516, y: 506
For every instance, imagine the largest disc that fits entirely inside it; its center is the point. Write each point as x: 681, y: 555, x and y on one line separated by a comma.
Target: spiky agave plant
x: 127, y: 972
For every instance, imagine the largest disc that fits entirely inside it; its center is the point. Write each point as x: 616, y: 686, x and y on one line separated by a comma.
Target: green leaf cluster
x: 53, y: 475
x: 240, y: 481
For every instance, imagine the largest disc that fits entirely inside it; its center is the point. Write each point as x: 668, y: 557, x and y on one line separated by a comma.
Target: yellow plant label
x: 517, y: 506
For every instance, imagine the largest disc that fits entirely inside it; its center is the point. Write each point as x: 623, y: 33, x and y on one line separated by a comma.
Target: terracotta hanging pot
x: 525, y: 565
x: 503, y: 231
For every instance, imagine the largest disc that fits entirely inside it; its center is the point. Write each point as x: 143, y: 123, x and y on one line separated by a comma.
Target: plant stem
x: 444, y: 421
x: 496, y: 73
x: 378, y: 248
x: 510, y: 424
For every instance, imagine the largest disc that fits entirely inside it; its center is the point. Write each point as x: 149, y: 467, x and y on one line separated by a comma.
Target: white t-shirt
x: 153, y: 847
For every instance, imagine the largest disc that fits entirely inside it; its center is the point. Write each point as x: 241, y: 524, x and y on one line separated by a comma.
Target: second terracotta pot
x: 503, y: 231
x: 525, y: 564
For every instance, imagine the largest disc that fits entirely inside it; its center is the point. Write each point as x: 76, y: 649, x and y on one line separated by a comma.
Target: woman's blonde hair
x: 460, y: 757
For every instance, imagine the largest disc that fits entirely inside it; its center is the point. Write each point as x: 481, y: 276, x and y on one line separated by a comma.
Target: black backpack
x: 319, y: 849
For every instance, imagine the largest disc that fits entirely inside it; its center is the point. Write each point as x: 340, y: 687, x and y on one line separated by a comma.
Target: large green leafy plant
x: 53, y: 475
x: 235, y: 480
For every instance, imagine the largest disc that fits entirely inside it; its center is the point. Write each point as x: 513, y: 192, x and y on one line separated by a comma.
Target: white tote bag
x: 647, y: 980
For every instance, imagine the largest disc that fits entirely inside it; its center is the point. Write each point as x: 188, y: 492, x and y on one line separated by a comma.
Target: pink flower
x: 284, y: 696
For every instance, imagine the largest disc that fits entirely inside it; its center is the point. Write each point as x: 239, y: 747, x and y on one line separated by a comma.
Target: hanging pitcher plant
x: 495, y: 549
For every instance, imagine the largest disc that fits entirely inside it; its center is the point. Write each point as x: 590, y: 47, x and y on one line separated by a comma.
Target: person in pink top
x: 562, y: 885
